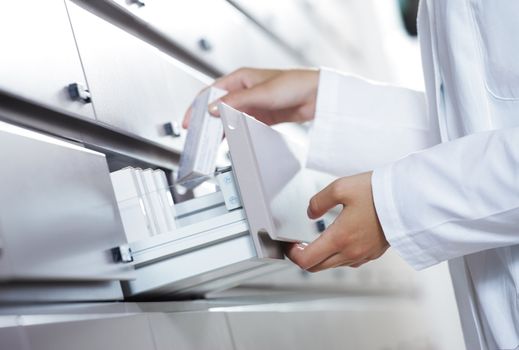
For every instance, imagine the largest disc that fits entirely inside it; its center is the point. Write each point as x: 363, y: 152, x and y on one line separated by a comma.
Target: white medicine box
x: 204, y: 135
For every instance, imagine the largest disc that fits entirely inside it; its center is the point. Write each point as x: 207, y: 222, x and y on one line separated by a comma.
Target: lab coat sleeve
x: 360, y: 125
x: 453, y: 199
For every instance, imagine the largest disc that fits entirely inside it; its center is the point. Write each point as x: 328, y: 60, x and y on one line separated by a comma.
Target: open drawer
x: 215, y: 244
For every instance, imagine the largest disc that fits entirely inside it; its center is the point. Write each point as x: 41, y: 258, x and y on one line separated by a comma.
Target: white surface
x: 229, y: 189
x: 166, y: 199
x: 203, y: 138
x: 233, y: 40
x: 130, y: 203
x: 135, y: 87
x: 38, y: 41
x: 274, y: 186
x: 158, y: 209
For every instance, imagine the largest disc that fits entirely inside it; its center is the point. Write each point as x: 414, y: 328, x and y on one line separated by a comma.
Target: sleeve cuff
x: 387, y: 207
x: 327, y: 95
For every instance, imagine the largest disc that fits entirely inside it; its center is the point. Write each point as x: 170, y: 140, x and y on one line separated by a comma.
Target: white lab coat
x: 458, y: 200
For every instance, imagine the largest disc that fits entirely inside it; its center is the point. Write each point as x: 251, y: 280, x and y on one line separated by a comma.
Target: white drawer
x: 58, y: 212
x: 11, y: 333
x: 215, y: 32
x: 65, y: 332
x: 135, y: 87
x: 190, y: 331
x: 288, y: 20
x: 39, y: 58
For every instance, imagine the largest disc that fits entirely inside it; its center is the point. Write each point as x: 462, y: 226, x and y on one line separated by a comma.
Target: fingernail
x: 309, y: 212
x: 213, y: 110
x: 302, y: 245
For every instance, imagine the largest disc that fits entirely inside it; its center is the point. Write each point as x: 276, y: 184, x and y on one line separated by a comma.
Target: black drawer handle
x: 172, y: 129
x: 78, y: 92
x: 140, y: 3
x: 205, y: 45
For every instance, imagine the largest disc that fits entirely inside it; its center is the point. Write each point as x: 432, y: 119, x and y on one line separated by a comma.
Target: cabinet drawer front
x: 64, y: 332
x: 215, y: 32
x: 39, y: 57
x: 274, y: 185
x: 302, y: 32
x: 135, y: 87
x: 58, y: 215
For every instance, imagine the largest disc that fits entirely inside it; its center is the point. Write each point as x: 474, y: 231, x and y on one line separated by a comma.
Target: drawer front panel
x: 39, y: 57
x: 135, y: 87
x: 215, y: 32
x: 58, y: 214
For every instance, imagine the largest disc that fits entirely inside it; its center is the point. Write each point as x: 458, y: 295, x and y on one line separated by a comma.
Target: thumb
x: 258, y: 96
x: 326, y: 199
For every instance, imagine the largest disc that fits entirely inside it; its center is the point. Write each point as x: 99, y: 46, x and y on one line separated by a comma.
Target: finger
x: 236, y: 80
x: 187, y: 117
x: 244, y: 78
x: 326, y: 199
x: 258, y: 96
x: 312, y: 254
x: 333, y: 261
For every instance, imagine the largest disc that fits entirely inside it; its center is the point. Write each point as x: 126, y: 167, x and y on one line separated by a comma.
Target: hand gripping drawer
x: 214, y: 248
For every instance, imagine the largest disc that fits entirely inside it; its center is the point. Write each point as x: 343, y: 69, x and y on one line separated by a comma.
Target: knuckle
x: 300, y: 261
x: 314, y: 204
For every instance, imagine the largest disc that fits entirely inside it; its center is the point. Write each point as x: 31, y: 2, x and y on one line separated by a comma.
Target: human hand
x: 272, y: 96
x: 354, y: 238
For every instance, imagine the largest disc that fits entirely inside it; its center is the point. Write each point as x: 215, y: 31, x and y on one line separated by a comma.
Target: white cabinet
x: 58, y: 214
x: 289, y: 329
x: 11, y: 335
x: 86, y: 332
x: 190, y: 331
x: 215, y: 32
x: 135, y: 87
x: 297, y: 28
x: 340, y: 323
x: 39, y: 58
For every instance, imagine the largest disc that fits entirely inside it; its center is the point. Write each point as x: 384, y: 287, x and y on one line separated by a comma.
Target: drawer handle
x: 140, y: 2
x: 122, y: 254
x: 205, y: 45
x: 172, y: 129
x: 78, y: 92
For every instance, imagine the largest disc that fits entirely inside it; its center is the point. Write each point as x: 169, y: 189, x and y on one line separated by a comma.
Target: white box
x: 204, y: 136
x: 161, y: 183
x: 131, y: 205
x: 146, y: 201
x: 229, y: 190
x: 157, y: 206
